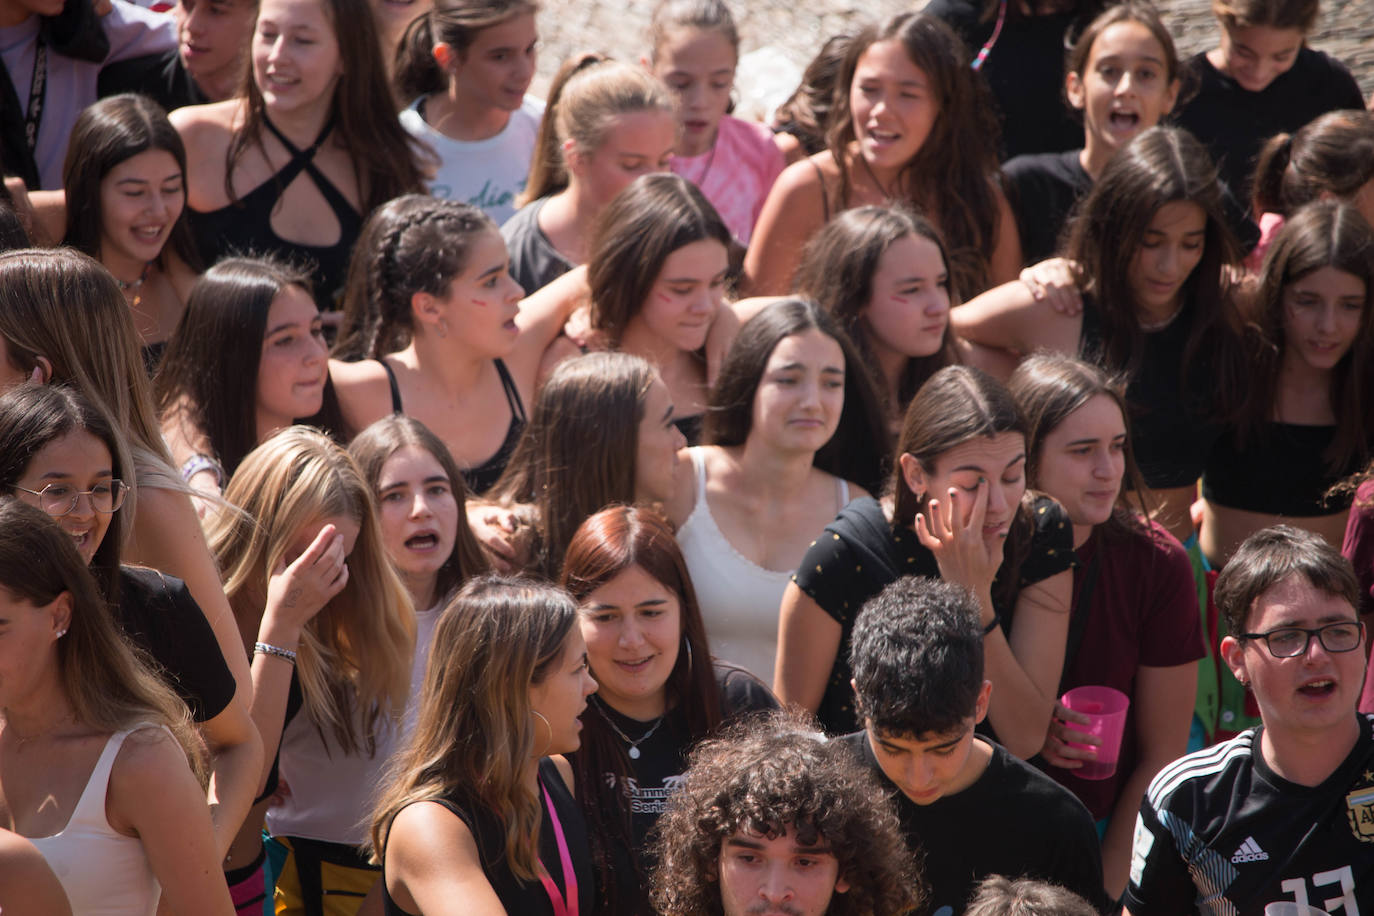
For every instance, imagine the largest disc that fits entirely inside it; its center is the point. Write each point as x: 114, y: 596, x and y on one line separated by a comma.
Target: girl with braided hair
x: 435, y: 328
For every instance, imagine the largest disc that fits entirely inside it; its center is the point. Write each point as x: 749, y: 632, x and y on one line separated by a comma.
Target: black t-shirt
x: 1221, y: 832
x: 489, y: 835
x: 1025, y: 71
x: 1014, y: 821
x: 160, y: 616
x: 860, y: 553
x: 657, y: 774
x: 161, y: 77
x: 1233, y: 123
x: 1044, y: 189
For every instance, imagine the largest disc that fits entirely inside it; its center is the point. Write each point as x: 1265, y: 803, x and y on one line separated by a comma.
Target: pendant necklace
x: 633, y: 752
x: 136, y: 287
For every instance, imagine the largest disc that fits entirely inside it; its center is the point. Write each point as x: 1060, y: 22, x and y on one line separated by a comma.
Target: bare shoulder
x: 28, y: 886
x: 205, y: 127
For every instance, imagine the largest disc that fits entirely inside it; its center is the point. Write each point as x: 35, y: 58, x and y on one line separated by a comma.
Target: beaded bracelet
x: 266, y: 649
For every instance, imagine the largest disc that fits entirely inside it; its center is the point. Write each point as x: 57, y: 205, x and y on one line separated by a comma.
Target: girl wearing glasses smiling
x: 61, y: 454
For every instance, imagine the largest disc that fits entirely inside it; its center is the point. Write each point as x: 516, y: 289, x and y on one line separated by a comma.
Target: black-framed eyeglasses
x: 59, y: 499
x: 1288, y: 642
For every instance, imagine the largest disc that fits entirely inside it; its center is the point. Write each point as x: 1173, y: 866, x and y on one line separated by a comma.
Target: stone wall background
x: 796, y: 29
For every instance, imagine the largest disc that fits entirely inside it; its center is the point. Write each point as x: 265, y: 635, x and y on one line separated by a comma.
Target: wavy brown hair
x: 474, y: 732
x: 779, y: 776
x: 577, y: 455
x: 386, y: 160
x: 1325, y: 233
x: 837, y: 270
x: 1332, y: 154
x: 954, y: 174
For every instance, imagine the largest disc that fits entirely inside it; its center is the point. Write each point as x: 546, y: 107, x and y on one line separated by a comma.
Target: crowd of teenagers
x: 420, y: 498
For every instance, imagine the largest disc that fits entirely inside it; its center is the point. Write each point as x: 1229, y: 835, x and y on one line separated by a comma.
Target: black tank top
x: 483, y: 477
x: 527, y: 898
x: 244, y: 227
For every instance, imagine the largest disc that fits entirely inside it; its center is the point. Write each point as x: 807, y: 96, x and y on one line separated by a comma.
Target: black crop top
x: 482, y: 478
x: 1172, y: 429
x: 1282, y: 472
x: 244, y: 227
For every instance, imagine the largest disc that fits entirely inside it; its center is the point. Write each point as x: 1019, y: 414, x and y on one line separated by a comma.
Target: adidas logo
x: 1249, y: 851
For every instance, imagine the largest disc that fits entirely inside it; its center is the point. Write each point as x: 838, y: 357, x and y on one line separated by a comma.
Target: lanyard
x: 37, y: 85
x: 561, y: 906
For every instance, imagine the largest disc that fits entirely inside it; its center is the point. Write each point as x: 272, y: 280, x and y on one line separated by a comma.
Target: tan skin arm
x: 167, y: 536
x: 432, y: 866
x: 1008, y: 317
x: 28, y: 886
x: 808, y: 643
x: 1163, y: 714
x: 1005, y: 263
x: 154, y: 796
x: 236, y: 763
x: 791, y: 214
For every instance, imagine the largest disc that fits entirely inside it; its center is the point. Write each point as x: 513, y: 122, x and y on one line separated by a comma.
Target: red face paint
x: 664, y: 297
x: 479, y: 302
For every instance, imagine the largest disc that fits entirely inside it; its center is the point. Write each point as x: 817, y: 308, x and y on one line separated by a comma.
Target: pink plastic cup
x: 1105, y: 708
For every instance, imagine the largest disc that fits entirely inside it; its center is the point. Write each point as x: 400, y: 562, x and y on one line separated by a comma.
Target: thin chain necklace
x: 633, y: 752
x: 135, y: 287
x: 1162, y: 323
x: 700, y: 180
x: 869, y: 169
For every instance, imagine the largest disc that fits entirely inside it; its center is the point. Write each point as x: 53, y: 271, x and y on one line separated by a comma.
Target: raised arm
x: 1008, y: 317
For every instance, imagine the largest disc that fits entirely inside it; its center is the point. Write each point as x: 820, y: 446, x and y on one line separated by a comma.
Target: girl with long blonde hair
x: 331, y: 630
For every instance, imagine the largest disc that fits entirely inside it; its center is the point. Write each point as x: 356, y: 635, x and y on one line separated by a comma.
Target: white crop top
x: 103, y: 872
x: 739, y: 599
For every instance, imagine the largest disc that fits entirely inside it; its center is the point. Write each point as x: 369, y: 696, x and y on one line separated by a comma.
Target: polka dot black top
x: 860, y: 553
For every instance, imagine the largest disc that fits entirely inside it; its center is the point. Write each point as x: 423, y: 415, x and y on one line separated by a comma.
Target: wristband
x: 987, y: 630
x: 262, y: 648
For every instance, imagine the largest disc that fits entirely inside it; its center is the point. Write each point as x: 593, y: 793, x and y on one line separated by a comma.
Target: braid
x: 422, y: 251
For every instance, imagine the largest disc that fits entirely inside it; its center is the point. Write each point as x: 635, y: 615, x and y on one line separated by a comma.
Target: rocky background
x: 794, y: 29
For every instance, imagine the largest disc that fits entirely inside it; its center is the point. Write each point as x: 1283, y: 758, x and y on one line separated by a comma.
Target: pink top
x: 1269, y: 226
x: 736, y: 173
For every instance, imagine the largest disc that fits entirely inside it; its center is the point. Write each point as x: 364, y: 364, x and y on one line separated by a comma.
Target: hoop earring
x: 687, y: 644
x: 443, y: 328
x: 548, y: 746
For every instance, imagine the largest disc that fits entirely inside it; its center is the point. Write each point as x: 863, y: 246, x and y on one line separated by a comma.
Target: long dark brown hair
x: 114, y: 130
x: 645, y: 223
x: 1321, y: 234
x: 577, y: 455
x: 605, y: 545
x: 1160, y: 166
x: 858, y: 450
x: 837, y: 270
x: 386, y: 160
x: 954, y: 174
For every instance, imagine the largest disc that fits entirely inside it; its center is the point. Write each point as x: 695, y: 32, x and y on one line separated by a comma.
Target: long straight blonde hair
x: 355, y: 654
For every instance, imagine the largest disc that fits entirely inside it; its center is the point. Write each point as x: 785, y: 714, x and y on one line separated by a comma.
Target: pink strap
x: 561, y: 906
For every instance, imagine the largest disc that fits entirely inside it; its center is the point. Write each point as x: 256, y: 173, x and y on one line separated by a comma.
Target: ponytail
x: 1334, y: 155
x: 451, y: 22
x: 548, y: 175
x: 1270, y: 167
x: 417, y: 72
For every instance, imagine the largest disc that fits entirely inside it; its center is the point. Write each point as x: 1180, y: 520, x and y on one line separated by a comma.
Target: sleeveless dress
x: 104, y: 873
x: 739, y: 599
x: 483, y: 477
x: 244, y: 227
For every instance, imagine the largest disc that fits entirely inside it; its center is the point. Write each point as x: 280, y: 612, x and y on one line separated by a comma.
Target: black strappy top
x: 244, y: 227
x: 482, y: 478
